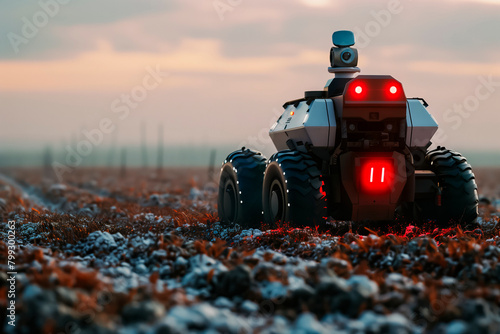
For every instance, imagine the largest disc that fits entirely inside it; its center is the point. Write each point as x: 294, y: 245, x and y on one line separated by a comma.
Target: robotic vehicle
x: 357, y: 150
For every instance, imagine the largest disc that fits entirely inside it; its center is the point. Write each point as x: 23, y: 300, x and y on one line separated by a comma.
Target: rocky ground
x: 107, y: 252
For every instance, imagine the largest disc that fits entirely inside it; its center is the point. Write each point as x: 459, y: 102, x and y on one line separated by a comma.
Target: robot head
x: 342, y: 55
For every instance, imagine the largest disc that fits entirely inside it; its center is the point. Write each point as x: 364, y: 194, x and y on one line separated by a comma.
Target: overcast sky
x: 227, y: 66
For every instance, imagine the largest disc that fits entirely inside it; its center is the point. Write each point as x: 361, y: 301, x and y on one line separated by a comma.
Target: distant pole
x: 86, y: 161
x: 144, y: 148
x: 123, y: 162
x: 60, y: 151
x: 47, y: 163
x: 111, y: 153
x: 74, y: 140
x: 211, y: 166
x: 93, y: 157
x: 74, y: 143
x: 160, y: 149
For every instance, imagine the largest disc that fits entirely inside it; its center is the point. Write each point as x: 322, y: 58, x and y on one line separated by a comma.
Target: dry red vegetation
x: 184, y: 224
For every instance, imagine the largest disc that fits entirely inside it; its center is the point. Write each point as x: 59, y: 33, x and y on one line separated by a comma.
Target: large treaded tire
x: 459, y: 197
x: 292, y: 190
x: 240, y: 188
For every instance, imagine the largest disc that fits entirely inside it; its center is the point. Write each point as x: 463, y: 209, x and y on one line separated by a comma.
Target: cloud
x: 252, y: 28
x: 490, y: 2
x: 317, y: 3
x: 107, y: 69
x: 13, y: 17
x: 456, y: 68
x: 263, y: 53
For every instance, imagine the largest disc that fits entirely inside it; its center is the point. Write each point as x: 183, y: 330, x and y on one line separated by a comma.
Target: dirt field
x: 139, y: 251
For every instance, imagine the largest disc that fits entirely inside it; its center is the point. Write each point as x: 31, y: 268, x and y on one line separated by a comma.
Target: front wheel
x: 456, y: 183
x: 292, y: 191
x: 240, y: 188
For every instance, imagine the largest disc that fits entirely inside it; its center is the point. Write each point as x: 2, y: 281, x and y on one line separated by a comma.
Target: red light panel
x: 392, y: 90
x: 377, y: 175
x: 359, y: 91
x: 374, y: 90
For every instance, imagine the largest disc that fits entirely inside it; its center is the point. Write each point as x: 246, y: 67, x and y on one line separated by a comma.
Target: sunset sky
x: 226, y: 67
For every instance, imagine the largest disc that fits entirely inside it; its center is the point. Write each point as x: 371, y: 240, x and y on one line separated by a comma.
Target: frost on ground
x: 126, y: 257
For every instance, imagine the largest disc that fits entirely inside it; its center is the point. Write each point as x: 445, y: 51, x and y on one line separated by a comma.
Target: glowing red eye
x: 358, y: 89
x: 393, y: 89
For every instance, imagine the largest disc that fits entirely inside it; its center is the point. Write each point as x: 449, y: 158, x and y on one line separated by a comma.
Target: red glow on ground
x: 323, y: 193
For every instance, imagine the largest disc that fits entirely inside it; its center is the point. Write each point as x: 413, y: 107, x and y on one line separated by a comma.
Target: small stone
x: 195, y: 193
x: 169, y: 326
x: 396, y: 323
x: 235, y: 282
x: 102, y: 240
x: 165, y: 271
x: 398, y: 281
x: 181, y: 262
x: 249, y: 307
x: 187, y: 317
x: 201, y: 260
x: 366, y: 287
x: 40, y: 305
x: 159, y: 254
x: 118, y: 237
x: 155, y: 200
x: 123, y: 271
x: 307, y: 323
x: 141, y: 268
x: 273, y: 290
x: 371, y: 321
x: 223, y: 302
x: 66, y: 296
x: 147, y: 311
x: 457, y: 327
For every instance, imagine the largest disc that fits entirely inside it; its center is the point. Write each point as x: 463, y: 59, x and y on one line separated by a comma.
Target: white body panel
x: 314, y: 124
x: 421, y: 126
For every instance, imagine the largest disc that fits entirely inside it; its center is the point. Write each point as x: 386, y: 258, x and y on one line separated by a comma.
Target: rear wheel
x: 457, y: 185
x: 292, y: 190
x: 240, y: 188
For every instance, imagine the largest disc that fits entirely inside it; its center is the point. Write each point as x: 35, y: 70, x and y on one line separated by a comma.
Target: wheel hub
x: 276, y: 201
x: 230, y: 202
